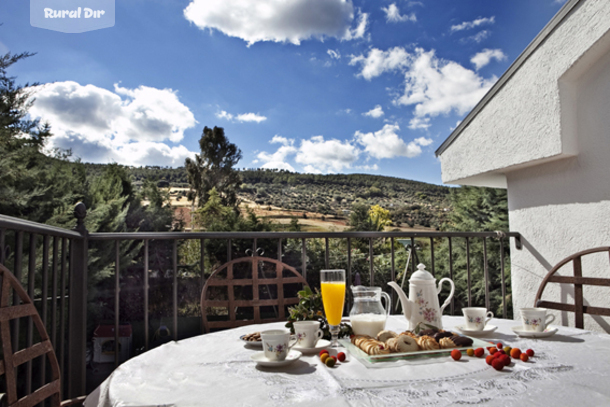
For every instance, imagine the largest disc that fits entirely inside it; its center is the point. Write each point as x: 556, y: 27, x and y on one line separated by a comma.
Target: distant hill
x: 411, y: 203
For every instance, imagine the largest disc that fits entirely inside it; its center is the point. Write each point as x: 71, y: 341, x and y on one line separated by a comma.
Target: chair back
x: 13, y: 358
x: 249, y: 290
x: 578, y: 281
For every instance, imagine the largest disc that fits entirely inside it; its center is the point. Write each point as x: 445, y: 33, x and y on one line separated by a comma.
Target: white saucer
x: 252, y: 344
x: 471, y: 332
x: 321, y: 344
x: 549, y: 331
x: 261, y: 360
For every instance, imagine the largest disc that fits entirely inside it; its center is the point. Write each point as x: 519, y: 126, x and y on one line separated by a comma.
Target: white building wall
x: 563, y: 207
x: 546, y: 137
x: 522, y: 124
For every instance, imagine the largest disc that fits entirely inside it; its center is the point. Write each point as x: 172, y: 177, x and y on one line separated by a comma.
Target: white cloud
x: 483, y: 58
x: 326, y: 155
x: 127, y: 126
x: 244, y: 117
x: 277, y: 160
x: 392, y: 15
x: 422, y: 141
x: 250, y: 117
x: 436, y: 86
x: 385, y: 143
x: 375, y: 112
x: 334, y: 54
x: 377, y: 61
x: 358, y: 31
x: 478, y: 37
x: 278, y: 20
x: 467, y: 25
x: 224, y: 115
x: 419, y: 123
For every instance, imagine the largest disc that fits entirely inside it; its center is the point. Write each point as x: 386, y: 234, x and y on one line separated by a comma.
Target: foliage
x: 33, y: 186
x: 214, y: 168
x: 380, y: 218
x: 311, y: 308
x: 477, y: 209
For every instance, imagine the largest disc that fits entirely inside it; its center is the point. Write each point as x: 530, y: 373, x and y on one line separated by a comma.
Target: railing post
x: 77, y: 333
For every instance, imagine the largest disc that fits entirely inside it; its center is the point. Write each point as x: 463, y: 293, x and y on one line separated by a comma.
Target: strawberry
x: 479, y: 352
x: 497, y: 364
x: 492, y: 351
x: 505, y: 359
x: 499, y: 345
x: 515, y: 353
x: 529, y: 352
x: 456, y: 354
x: 524, y: 357
x: 323, y: 352
x: 341, y: 356
x: 489, y: 359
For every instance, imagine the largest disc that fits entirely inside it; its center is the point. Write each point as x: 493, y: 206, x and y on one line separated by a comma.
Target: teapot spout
x: 404, y: 300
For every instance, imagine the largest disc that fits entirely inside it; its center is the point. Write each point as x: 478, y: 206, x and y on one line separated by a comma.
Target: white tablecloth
x: 571, y: 368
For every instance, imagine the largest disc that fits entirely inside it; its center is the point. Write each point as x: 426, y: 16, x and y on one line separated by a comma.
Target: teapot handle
x: 440, y: 284
x: 388, y: 302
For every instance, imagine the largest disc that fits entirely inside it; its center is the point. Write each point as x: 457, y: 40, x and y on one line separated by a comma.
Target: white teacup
x: 476, y: 318
x: 277, y: 343
x: 308, y: 333
x: 535, y: 319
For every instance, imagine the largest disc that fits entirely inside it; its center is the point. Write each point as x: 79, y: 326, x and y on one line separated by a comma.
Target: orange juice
x: 333, y: 296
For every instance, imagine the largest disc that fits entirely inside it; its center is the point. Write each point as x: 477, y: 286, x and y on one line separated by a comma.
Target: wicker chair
x: 10, y: 360
x: 253, y: 290
x: 578, y: 281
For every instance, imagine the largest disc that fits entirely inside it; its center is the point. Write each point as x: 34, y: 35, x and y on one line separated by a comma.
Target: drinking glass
x: 333, y: 297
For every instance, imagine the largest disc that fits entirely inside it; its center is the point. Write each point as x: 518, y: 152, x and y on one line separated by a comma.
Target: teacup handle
x: 488, y: 316
x: 319, y: 334
x: 292, y: 338
x: 547, y: 321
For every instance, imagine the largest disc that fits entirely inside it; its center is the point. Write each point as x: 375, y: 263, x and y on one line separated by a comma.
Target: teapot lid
x: 422, y: 274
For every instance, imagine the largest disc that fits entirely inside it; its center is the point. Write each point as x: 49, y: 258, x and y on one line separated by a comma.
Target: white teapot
x: 422, y: 304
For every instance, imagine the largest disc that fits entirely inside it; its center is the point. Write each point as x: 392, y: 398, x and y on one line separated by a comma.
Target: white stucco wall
x: 546, y: 137
x: 563, y: 207
x: 522, y: 124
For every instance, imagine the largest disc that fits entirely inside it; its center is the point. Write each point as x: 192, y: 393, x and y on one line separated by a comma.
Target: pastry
x: 383, y: 336
x: 461, y: 341
x: 402, y: 343
x: 447, y: 343
x: 428, y: 332
x: 372, y: 346
x: 253, y: 337
x: 358, y: 339
x: 409, y: 333
x: 427, y: 343
x: 442, y: 334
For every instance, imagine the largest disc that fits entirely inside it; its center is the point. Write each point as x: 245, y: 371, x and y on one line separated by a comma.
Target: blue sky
x: 321, y: 86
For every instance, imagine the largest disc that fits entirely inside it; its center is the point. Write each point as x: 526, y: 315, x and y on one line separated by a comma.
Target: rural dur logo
x: 72, y: 16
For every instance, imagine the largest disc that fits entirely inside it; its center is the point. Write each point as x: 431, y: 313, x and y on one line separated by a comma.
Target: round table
x: 570, y: 368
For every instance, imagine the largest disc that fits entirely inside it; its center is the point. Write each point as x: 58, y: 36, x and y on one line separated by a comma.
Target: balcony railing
x: 57, y: 271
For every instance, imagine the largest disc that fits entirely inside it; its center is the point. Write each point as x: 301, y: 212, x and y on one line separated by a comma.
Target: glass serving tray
x: 360, y: 354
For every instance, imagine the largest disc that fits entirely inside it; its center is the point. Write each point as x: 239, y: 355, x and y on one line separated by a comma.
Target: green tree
x: 214, y: 168
x: 32, y: 185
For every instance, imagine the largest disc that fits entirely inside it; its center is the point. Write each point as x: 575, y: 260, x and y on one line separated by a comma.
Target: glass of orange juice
x: 333, y: 297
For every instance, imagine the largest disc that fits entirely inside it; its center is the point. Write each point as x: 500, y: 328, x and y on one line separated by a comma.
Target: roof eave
x: 529, y: 50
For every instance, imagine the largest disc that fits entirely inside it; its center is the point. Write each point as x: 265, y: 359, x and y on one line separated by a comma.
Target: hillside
x: 411, y: 203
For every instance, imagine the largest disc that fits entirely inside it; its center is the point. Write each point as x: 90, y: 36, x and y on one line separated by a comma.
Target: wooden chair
x: 260, y: 284
x: 10, y: 360
x: 578, y: 280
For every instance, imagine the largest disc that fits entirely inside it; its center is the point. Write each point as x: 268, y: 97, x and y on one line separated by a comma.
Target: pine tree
x: 214, y: 168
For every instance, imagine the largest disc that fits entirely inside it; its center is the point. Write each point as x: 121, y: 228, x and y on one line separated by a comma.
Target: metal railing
x: 66, y: 251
